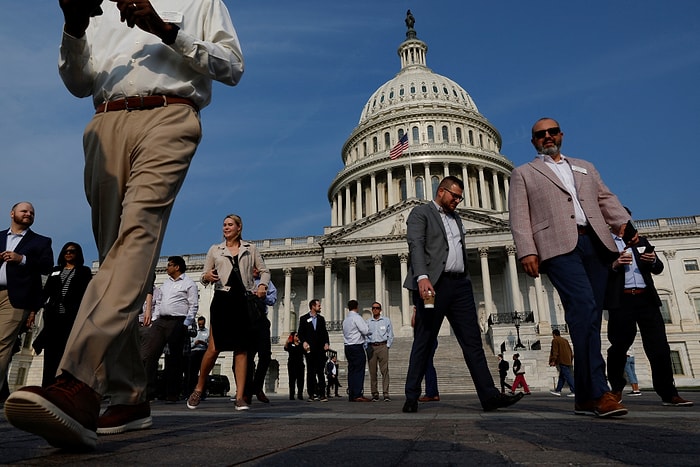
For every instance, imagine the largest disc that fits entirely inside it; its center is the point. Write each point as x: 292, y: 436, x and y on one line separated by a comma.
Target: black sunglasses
x: 70, y: 251
x: 554, y: 131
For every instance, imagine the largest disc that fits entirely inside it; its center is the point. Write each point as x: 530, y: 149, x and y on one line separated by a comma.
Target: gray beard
x: 550, y: 151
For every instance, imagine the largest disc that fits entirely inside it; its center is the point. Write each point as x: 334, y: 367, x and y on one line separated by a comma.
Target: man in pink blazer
x: 561, y: 214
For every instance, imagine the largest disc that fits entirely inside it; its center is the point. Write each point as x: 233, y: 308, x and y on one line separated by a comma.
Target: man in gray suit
x: 438, y: 269
x: 561, y: 214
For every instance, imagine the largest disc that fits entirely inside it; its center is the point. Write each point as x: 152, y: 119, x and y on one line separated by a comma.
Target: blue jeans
x: 565, y: 377
x: 580, y: 277
x: 356, y: 357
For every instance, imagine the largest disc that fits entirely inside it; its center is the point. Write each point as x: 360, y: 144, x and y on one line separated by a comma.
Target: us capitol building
x: 363, y: 253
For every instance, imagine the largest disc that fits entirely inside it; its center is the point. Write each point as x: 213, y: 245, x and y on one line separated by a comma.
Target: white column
x: 358, y: 199
x: 497, y: 192
x: 426, y: 184
x: 378, y: 278
x: 506, y: 188
x: 539, y: 313
x: 334, y: 211
x: 327, y: 277
x: 486, y: 279
x: 348, y: 205
x: 285, y: 319
x: 373, y: 189
x: 513, y: 276
x: 309, y: 283
x: 465, y: 178
x: 482, y: 190
x: 390, y: 188
x: 340, y: 212
x: 406, y: 309
x: 445, y: 169
x: 352, y: 285
x: 410, y: 187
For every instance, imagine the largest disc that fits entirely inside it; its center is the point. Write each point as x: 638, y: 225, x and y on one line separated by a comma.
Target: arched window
x: 471, y: 137
x: 481, y: 141
x: 445, y: 134
x: 435, y: 181
x: 402, y: 189
x: 375, y: 144
x: 364, y: 149
x: 431, y: 134
x: 387, y: 140
x: 420, y: 191
x: 416, y: 138
x: 459, y: 135
x: 400, y: 134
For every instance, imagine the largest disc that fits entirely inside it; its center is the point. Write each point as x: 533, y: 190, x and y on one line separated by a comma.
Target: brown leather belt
x: 143, y: 103
x: 634, y: 291
x: 377, y: 344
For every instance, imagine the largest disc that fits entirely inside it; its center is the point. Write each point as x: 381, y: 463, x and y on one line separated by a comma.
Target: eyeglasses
x: 554, y: 131
x: 457, y: 197
x: 71, y: 251
x: 376, y: 308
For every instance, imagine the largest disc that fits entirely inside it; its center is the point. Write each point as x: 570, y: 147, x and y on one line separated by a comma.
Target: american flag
x: 399, y: 148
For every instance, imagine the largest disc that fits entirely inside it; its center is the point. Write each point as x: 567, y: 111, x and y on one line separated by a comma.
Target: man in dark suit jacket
x: 313, y: 336
x: 438, y: 267
x: 560, y: 216
x: 25, y: 256
x: 632, y: 300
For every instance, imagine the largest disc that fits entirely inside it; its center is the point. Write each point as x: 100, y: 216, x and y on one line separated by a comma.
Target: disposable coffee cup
x: 429, y: 300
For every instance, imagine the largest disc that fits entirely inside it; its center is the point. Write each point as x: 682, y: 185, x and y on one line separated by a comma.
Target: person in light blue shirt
x: 355, y: 334
x: 381, y: 338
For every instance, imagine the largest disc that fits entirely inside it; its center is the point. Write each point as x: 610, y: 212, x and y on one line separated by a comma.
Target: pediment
x: 390, y: 225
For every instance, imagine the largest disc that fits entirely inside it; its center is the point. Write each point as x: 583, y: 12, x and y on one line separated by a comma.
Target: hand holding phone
x: 630, y: 232
x: 649, y: 249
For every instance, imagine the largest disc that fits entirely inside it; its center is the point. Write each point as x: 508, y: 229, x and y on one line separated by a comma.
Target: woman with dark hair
x: 229, y: 267
x: 63, y: 292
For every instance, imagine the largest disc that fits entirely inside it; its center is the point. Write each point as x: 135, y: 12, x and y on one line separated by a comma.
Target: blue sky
x: 620, y: 76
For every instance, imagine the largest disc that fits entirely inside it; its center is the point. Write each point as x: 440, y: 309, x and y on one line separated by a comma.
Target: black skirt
x: 230, y: 325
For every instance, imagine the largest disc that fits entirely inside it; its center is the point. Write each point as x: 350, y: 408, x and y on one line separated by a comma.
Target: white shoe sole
x: 140, y: 424
x: 32, y: 413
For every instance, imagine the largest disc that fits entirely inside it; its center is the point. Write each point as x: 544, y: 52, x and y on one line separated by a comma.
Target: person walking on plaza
x: 198, y: 346
x: 24, y: 257
x: 503, y: 367
x: 295, y: 366
x: 561, y: 356
x: 63, y: 292
x: 355, y: 337
x: 228, y: 267
x: 332, y: 375
x: 176, y: 310
x: 561, y: 214
x: 149, y: 67
x: 381, y: 336
x: 632, y: 301
x: 313, y: 336
x: 441, y: 287
x: 260, y: 346
x: 519, y: 373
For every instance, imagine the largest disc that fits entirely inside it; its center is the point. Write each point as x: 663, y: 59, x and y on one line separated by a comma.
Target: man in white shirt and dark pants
x: 355, y: 333
x: 176, y: 311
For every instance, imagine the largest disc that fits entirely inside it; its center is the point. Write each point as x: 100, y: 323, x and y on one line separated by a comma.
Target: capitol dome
x: 445, y: 133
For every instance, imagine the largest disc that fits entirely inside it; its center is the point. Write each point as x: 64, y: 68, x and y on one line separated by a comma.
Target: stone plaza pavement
x: 539, y: 430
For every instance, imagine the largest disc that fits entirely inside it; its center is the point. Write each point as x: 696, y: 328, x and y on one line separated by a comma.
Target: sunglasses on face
x: 554, y: 131
x: 70, y: 251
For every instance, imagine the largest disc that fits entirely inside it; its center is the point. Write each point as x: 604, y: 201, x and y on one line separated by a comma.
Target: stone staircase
x: 453, y: 375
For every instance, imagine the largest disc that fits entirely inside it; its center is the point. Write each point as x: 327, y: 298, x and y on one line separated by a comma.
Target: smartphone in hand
x: 649, y: 249
x: 630, y: 232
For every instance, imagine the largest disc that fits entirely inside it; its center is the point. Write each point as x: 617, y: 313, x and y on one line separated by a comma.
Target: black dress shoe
x: 501, y: 400
x: 410, y: 406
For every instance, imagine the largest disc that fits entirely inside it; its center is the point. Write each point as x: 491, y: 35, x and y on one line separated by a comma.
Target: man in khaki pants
x: 148, y: 66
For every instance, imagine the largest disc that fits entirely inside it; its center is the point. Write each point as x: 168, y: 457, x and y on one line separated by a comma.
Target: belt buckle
x: 126, y: 104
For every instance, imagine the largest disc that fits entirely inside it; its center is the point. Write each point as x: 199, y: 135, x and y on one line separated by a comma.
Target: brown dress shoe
x: 608, y: 406
x: 262, y: 397
x: 429, y: 399
x: 64, y: 414
x: 677, y: 401
x: 120, y: 418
